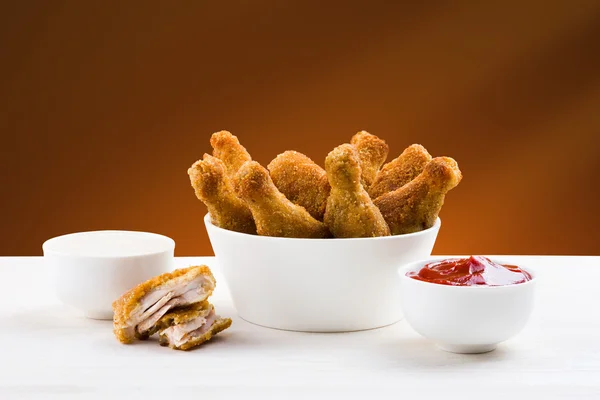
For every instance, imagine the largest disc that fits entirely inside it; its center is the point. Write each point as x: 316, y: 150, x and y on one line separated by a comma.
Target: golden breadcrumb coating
x: 219, y: 325
x: 350, y: 212
x: 213, y: 187
x: 400, y: 170
x: 302, y: 181
x: 228, y: 149
x: 372, y: 152
x: 130, y: 301
x: 416, y: 205
x: 273, y: 213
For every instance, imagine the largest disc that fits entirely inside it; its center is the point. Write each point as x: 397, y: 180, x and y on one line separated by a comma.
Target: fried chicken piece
x: 213, y: 187
x: 372, y: 152
x: 350, y: 212
x: 139, y: 309
x: 228, y: 149
x: 400, y: 170
x: 189, y: 327
x: 273, y: 213
x: 302, y: 181
x: 416, y: 205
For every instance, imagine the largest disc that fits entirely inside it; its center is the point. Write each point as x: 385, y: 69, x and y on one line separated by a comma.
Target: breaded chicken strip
x: 372, y: 152
x: 189, y: 327
x: 416, y: 205
x: 273, y: 213
x: 227, y: 148
x: 350, y: 212
x: 400, y: 170
x: 302, y: 181
x: 213, y: 187
x: 139, y: 309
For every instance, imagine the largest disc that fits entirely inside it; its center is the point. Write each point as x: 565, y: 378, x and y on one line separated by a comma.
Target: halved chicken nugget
x: 191, y: 326
x: 139, y: 309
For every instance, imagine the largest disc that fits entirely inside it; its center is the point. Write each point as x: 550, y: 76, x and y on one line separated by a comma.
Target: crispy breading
x: 400, y: 170
x: 219, y: 325
x: 213, y: 187
x: 350, y: 211
x: 416, y: 205
x: 372, y: 152
x: 228, y: 149
x: 130, y: 301
x: 273, y: 213
x: 302, y: 181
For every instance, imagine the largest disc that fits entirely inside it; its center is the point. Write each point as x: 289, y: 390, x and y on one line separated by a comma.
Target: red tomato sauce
x: 472, y: 271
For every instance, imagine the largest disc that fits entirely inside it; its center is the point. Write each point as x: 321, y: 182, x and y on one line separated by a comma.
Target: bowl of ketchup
x: 467, y: 305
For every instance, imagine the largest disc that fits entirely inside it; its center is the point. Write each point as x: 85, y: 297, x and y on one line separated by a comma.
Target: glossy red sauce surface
x: 472, y: 271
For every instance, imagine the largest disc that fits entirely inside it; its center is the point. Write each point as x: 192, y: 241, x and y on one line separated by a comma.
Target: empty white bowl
x: 465, y: 319
x: 317, y: 285
x: 90, y: 270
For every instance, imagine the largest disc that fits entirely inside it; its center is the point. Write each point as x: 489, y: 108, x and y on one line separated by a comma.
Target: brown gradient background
x: 105, y: 105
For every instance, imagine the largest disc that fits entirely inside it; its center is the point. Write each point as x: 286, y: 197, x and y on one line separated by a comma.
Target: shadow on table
x: 420, y: 353
x: 53, y: 317
x: 65, y: 321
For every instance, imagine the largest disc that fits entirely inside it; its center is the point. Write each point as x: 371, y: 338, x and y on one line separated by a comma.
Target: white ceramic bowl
x: 465, y: 319
x: 317, y: 285
x: 90, y: 270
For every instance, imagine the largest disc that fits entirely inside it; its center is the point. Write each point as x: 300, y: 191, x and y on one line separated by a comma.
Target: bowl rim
x: 46, y: 246
x: 436, y: 226
x: 410, y: 266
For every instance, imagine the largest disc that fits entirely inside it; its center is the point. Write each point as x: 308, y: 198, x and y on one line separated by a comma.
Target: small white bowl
x: 465, y: 319
x: 92, y: 269
x: 317, y: 285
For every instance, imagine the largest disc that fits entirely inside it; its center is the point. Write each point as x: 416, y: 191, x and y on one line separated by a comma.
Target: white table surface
x: 48, y: 350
